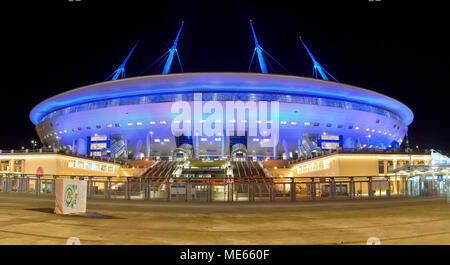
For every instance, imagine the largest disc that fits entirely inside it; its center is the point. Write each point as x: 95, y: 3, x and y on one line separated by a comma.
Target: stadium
x: 133, y: 116
x: 273, y: 116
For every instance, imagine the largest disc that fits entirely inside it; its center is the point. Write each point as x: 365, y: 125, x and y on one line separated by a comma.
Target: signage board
x: 70, y: 196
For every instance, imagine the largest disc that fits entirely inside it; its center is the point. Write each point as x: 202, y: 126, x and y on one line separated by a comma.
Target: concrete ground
x: 394, y: 221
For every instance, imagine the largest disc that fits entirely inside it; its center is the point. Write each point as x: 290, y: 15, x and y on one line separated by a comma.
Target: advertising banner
x: 70, y: 196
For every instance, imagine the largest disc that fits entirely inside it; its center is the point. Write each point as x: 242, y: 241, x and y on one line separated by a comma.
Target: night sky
x: 399, y: 50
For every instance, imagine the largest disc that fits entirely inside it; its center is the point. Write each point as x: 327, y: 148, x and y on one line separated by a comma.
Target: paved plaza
x: 27, y: 219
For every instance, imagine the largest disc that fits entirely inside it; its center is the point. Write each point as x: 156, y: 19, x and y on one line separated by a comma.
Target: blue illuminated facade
x: 131, y: 118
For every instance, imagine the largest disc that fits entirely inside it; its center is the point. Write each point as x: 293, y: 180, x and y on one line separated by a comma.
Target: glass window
x: 390, y: 166
x: 4, y: 165
x: 18, y: 165
x: 381, y: 166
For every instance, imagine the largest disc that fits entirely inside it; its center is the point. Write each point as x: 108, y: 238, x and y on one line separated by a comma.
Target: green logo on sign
x: 71, y: 195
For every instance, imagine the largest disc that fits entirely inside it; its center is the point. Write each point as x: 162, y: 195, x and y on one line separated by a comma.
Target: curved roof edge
x: 220, y: 81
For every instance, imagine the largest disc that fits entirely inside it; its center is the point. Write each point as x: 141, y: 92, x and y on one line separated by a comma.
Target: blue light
x: 316, y: 66
x: 172, y: 50
x: 198, y: 82
x: 120, y: 71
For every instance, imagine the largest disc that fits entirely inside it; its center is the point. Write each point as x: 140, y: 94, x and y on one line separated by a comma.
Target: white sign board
x: 70, y: 196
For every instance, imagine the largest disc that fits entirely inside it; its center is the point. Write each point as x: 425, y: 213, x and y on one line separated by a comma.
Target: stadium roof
x: 219, y: 82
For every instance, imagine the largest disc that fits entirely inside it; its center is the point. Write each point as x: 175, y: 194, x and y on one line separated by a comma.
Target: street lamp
x: 34, y: 144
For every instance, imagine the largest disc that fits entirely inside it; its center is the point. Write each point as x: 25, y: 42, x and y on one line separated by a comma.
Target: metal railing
x: 215, y: 189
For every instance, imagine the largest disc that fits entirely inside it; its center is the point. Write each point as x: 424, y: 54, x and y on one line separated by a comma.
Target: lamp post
x: 34, y: 144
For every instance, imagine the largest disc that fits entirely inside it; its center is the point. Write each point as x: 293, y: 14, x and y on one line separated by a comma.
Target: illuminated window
x: 157, y: 140
x: 187, y: 121
x: 138, y: 123
x: 293, y: 123
x: 217, y: 121
x: 367, y: 129
x: 166, y: 140
x: 130, y: 124
x: 326, y: 164
x: 373, y: 130
x: 202, y: 121
x: 266, y: 140
x: 307, y: 123
x: 243, y: 121
x: 232, y: 121
x: 283, y: 122
x: 356, y: 128
x: 109, y: 125
x: 320, y: 165
x: 255, y: 139
x: 203, y: 139
x: 218, y: 139
x: 162, y: 122
x: 152, y: 122
x: 270, y: 122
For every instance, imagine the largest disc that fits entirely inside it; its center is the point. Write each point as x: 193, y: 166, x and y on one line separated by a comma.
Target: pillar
x: 293, y: 189
x: 333, y: 188
x: 369, y: 190
x: 147, y: 146
x: 313, y: 189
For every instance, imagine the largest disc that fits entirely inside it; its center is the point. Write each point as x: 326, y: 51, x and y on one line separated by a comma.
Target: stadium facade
x: 276, y: 116
x: 133, y: 116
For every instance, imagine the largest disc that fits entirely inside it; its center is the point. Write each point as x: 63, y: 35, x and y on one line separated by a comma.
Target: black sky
x: 399, y: 49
